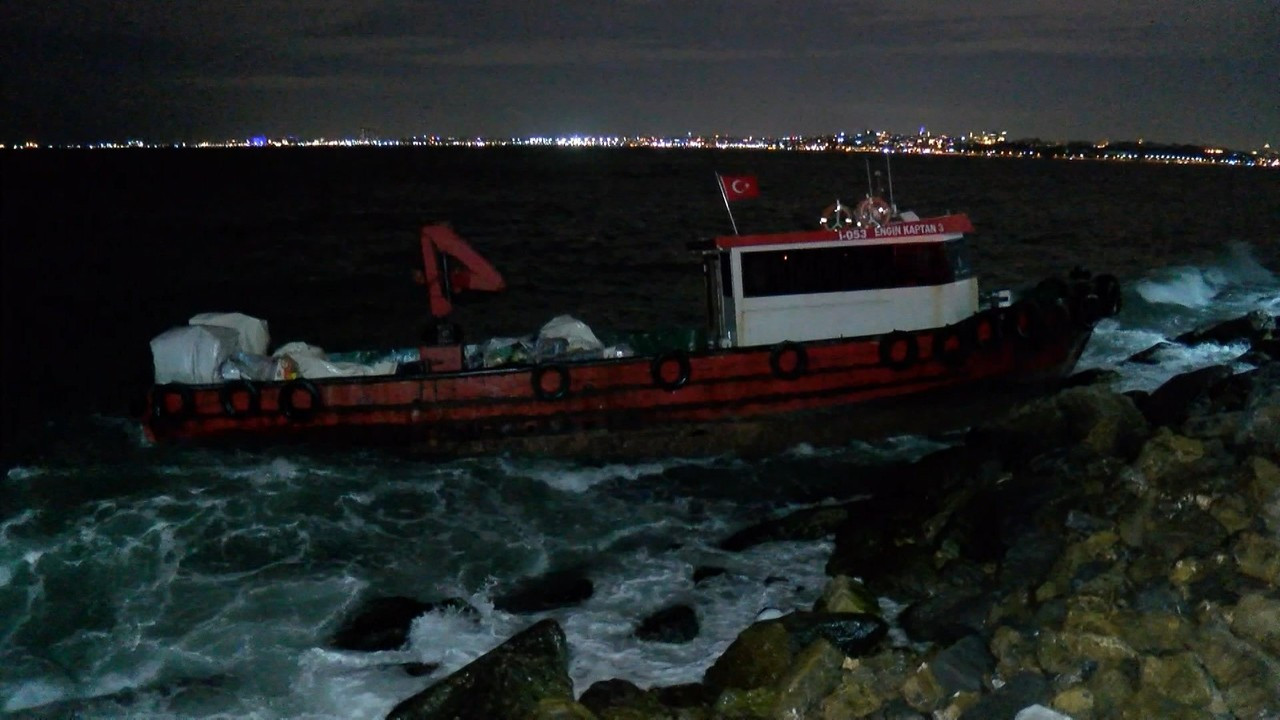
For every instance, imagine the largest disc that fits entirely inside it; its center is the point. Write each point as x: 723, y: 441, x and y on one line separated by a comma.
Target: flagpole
x: 723, y: 196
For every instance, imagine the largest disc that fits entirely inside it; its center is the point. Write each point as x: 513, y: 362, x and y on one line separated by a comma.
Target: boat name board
x: 939, y: 228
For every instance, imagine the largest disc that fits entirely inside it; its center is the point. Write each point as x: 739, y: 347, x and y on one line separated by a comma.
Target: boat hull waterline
x: 1025, y: 345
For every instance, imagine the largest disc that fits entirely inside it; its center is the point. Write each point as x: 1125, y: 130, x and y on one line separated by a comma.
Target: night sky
x: 1197, y: 71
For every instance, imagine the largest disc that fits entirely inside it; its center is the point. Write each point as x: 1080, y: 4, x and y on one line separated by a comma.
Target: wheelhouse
x: 909, y: 274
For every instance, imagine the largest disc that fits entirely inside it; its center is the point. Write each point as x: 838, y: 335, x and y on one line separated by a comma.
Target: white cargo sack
x: 313, y: 363
x: 254, y: 337
x: 573, y: 331
x: 192, y: 354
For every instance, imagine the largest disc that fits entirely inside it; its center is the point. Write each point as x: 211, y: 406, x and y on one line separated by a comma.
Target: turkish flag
x: 739, y: 187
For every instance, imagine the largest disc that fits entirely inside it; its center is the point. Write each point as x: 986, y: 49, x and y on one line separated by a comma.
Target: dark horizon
x: 1177, y: 71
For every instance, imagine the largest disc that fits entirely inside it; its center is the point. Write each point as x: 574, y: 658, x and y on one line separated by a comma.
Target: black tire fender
x: 657, y: 370
x: 799, y: 365
x: 289, y: 404
x: 910, y: 350
x: 540, y: 389
x: 951, y: 356
x: 253, y: 399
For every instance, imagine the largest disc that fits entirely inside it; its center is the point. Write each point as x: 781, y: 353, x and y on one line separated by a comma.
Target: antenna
x: 893, y: 206
x: 870, y: 190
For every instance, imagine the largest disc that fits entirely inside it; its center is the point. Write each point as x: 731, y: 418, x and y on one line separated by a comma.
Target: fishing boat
x: 870, y: 324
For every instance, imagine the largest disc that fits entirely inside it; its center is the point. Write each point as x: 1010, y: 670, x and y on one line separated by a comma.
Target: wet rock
x: 1151, y: 356
x: 1178, y: 677
x: 964, y: 665
x: 868, y: 684
x: 738, y: 703
x: 1013, y: 651
x: 675, y: 624
x: 510, y: 681
x: 756, y: 658
x: 1076, y: 702
x: 1171, y: 403
x: 688, y: 695
x: 1166, y: 453
x: 947, y: 616
x: 1020, y: 691
x: 1262, y: 412
x: 807, y: 524
x: 843, y: 594
x: 620, y: 698
x: 557, y: 589
x: 1091, y: 419
x: 1251, y: 327
x: 1068, y: 651
x: 384, y: 623
x: 762, y: 653
x: 1244, y: 674
x: 1258, y: 557
x: 813, y: 674
x: 561, y: 709
x: 853, y: 634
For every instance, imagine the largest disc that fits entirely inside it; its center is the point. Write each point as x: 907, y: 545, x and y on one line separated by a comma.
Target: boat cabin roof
x: 938, y: 229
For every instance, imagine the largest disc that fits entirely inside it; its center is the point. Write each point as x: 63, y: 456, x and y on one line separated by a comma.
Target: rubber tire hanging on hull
x: 227, y: 395
x: 657, y: 370
x: 986, y: 323
x: 289, y: 405
x: 799, y: 366
x: 951, y: 357
x: 910, y: 354
x: 562, y: 382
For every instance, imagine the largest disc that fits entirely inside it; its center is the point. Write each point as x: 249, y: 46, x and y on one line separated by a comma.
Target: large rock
x: 1244, y: 674
x: 762, y: 653
x: 510, y: 681
x: 1171, y: 403
x: 556, y: 589
x: 675, y: 624
x: 620, y: 698
x: 1252, y: 327
x: 1091, y: 418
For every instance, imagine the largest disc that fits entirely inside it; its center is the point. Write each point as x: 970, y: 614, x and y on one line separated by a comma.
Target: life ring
x: 951, y: 345
x: 252, y: 399
x: 985, y: 331
x: 1107, y: 288
x: 562, y: 382
x: 658, y: 370
x: 289, y: 404
x: 873, y: 212
x: 889, y: 354
x: 798, y: 365
x: 160, y: 409
x: 835, y: 217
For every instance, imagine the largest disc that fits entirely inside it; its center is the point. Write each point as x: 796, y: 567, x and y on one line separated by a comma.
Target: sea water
x: 142, y: 581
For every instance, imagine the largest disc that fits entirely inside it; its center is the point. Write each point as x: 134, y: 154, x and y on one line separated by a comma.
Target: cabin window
x: 843, y: 269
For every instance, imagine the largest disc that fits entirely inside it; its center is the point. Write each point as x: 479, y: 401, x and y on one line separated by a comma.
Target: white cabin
x: 908, y: 274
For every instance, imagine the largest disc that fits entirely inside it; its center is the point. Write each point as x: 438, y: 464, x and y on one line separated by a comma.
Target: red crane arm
x: 440, y: 242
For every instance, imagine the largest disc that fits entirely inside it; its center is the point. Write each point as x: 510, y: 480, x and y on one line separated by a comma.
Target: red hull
x: 475, y: 411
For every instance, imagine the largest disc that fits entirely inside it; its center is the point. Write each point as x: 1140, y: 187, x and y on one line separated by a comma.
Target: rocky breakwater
x: 1090, y: 555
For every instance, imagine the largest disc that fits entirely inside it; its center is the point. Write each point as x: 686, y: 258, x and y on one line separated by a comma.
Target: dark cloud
x: 1176, y: 70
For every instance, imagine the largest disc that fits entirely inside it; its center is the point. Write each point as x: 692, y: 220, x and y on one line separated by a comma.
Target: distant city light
x: 980, y: 143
